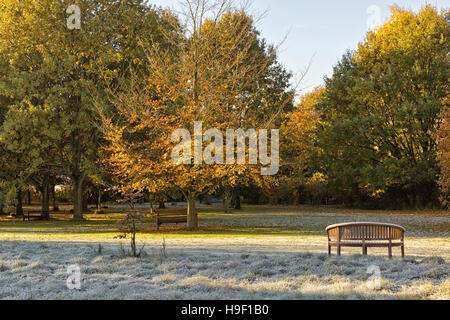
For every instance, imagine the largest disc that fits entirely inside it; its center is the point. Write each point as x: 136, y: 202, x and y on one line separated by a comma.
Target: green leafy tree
x: 220, y: 73
x: 381, y: 108
x: 57, y: 73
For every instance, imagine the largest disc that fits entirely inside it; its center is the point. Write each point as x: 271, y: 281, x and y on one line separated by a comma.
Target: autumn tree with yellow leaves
x: 444, y: 151
x: 220, y: 73
x: 298, y: 146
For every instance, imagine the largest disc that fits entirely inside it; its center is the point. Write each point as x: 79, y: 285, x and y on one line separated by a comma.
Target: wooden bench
x: 365, y: 235
x: 62, y: 212
x: 29, y: 215
x: 32, y: 215
x: 170, y: 216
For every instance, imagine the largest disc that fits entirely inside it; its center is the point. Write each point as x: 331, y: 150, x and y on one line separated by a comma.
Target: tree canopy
x: 381, y: 108
x: 111, y: 101
x: 223, y: 75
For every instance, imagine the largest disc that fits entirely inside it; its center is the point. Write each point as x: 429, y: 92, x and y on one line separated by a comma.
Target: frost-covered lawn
x: 260, y: 253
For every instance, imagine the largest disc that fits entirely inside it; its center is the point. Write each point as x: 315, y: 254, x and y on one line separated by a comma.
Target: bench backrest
x: 171, y: 212
x: 365, y: 231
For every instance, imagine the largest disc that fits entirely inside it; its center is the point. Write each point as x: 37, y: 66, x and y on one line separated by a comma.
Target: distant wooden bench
x: 32, y: 215
x: 164, y: 216
x: 62, y: 212
x: 366, y: 234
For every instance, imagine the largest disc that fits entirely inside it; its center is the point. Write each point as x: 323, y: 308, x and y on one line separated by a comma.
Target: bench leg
x: 339, y: 250
x: 390, y: 252
x: 364, y: 250
x: 329, y: 250
x: 403, y: 251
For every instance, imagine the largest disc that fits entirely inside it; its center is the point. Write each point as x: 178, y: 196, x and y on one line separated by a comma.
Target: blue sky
x: 318, y: 30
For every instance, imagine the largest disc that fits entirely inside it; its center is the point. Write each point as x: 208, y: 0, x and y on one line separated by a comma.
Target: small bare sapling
x: 132, y: 219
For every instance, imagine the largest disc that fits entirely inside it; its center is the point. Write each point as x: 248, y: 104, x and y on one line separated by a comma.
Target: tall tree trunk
x: 226, y: 200
x: 78, y: 198
x: 236, y: 199
x: 192, y: 217
x: 19, y: 208
x: 29, y: 196
x: 45, y: 210
x: 55, y: 206
x: 99, y: 198
x: 84, y: 207
x: 1, y: 206
x: 226, y: 204
x: 78, y: 176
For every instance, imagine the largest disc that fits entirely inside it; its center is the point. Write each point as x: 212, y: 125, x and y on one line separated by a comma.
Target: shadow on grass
x: 252, y: 221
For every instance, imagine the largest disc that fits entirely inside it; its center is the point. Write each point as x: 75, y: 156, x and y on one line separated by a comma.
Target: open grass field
x: 256, y: 253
